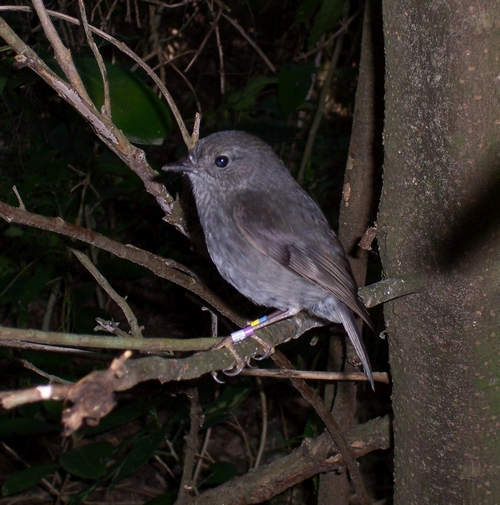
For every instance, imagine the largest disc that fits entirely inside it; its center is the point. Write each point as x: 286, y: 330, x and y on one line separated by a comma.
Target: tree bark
x: 440, y: 218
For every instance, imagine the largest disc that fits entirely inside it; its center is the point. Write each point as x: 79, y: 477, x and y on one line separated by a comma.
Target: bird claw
x: 213, y: 373
x: 268, y: 349
x: 240, y: 364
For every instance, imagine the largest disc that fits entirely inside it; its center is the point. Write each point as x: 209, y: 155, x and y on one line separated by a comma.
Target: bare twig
x: 19, y: 199
x: 267, y: 61
x: 190, y: 86
x: 18, y: 8
x: 106, y: 107
x: 51, y: 303
x: 263, y: 433
x: 19, y: 344
x: 50, y: 377
x: 329, y: 40
x: 203, y: 452
x: 135, y: 329
x: 62, y: 53
x: 196, y: 416
x: 151, y: 345
x: 203, y: 42
x: 389, y: 289
x: 12, y: 399
x: 321, y: 104
x: 220, y: 49
x: 170, y: 6
x: 331, y: 425
x: 322, y: 376
x: 196, y: 127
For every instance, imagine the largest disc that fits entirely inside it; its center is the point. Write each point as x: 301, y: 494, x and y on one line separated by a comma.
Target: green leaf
x: 226, y: 403
x: 118, y: 417
x: 89, y: 461
x: 246, y: 98
x: 326, y: 18
x: 135, y: 109
x: 305, y: 9
x: 27, y: 286
x: 293, y: 85
x: 143, y: 449
x: 24, y: 426
x: 13, y: 232
x: 27, y: 478
x: 221, y: 472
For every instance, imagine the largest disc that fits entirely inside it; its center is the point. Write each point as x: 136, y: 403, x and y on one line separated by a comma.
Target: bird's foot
x: 240, y: 364
x: 238, y: 336
x: 268, y: 349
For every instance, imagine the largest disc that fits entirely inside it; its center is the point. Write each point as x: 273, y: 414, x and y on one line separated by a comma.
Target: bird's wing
x: 301, y: 242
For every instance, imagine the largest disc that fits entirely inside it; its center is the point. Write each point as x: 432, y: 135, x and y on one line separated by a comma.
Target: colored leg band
x: 248, y: 331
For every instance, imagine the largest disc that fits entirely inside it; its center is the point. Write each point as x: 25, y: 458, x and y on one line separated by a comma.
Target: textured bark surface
x: 440, y: 218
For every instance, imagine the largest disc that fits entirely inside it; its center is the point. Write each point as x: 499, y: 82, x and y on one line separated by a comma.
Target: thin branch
x: 188, y: 82
x: 51, y: 303
x: 135, y: 329
x: 14, y: 8
x: 52, y: 378
x: 106, y: 107
x: 263, y: 434
x: 196, y: 416
x: 329, y: 40
x: 19, y: 199
x: 203, y: 43
x: 331, y: 425
x: 61, y: 52
x: 220, y: 49
x: 321, y: 104
x: 170, y: 6
x: 151, y: 345
x: 267, y: 61
x: 389, y: 289
x: 19, y: 344
x: 322, y: 376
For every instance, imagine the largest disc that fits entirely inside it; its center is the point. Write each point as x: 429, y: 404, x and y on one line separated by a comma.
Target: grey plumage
x: 266, y: 235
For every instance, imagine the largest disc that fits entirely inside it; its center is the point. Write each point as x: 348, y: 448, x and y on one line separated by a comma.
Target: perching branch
x: 139, y: 370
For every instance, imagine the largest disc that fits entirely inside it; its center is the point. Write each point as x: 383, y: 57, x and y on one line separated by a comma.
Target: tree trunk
x: 440, y: 218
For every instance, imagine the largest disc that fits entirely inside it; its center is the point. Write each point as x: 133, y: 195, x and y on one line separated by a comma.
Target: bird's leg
x: 249, y: 332
x: 258, y: 324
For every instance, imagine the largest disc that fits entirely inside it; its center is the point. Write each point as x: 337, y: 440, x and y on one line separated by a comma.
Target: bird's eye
x: 221, y: 161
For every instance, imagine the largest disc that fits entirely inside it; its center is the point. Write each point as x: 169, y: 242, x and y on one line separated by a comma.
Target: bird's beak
x: 183, y: 166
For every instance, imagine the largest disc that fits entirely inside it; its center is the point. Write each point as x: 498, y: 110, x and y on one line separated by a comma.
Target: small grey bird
x: 268, y: 238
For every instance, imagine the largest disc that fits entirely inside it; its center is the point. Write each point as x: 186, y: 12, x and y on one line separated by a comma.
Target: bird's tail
x: 347, y: 319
